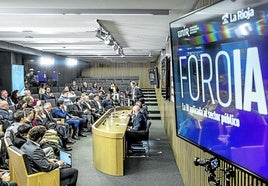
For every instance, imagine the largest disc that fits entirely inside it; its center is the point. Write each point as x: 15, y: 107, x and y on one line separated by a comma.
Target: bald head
x: 4, y: 105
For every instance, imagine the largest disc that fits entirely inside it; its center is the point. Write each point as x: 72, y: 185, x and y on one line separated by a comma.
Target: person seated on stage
x: 40, y: 163
x: 139, y: 121
x: 107, y: 103
x: 138, y: 124
x: 77, y: 123
x: 144, y: 108
x: 47, y: 94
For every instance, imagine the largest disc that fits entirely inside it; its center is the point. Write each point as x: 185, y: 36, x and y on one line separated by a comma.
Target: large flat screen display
x: 220, y: 62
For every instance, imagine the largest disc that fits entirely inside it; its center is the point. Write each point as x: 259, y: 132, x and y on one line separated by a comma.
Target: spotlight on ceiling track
x: 108, y: 39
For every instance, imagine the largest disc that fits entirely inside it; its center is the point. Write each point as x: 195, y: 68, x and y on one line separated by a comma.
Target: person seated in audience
x: 29, y: 94
x: 19, y: 119
x: 138, y: 124
x: 41, y: 119
x: 40, y: 163
x: 42, y: 89
x: 74, y: 87
x: 21, y: 105
x: 48, y: 94
x: 85, y: 88
x: 77, y: 110
x: 102, y: 89
x: 97, y: 105
x: 114, y: 91
x: 101, y: 95
x: 65, y: 98
x: 30, y: 101
x: 87, y: 108
x: 4, y: 176
x: 4, y: 97
x: 61, y: 127
x: 21, y: 136
x: 94, y: 89
x: 15, y: 96
x: 6, y: 115
x: 70, y: 93
x: 108, y: 103
x: 29, y: 116
x: 77, y: 123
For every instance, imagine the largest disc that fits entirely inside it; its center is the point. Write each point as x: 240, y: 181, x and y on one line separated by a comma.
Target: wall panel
x: 120, y: 69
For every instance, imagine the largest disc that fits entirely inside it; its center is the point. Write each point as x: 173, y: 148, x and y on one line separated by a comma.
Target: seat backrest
x: 8, y: 138
x: 18, y: 167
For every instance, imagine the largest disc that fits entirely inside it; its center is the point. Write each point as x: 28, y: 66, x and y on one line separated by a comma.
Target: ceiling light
x: 71, y: 62
x: 108, y: 40
x: 46, y: 61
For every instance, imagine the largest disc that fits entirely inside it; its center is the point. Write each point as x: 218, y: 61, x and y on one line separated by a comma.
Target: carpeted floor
x: 157, y: 170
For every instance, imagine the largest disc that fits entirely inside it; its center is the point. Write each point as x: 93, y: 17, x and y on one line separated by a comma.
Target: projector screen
x: 220, y: 62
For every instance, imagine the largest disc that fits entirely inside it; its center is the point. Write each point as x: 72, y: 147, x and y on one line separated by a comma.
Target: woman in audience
x: 94, y: 89
x: 15, y: 96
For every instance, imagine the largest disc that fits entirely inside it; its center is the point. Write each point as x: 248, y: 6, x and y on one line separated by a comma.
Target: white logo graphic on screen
x: 238, y: 16
x: 225, y: 19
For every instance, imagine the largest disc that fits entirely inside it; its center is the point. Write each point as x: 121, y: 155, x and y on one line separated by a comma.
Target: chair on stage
x: 142, y: 145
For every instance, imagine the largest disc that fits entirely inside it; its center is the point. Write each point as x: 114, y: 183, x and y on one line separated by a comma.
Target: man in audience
x: 76, y: 122
x: 6, y: 115
x: 97, y: 105
x: 61, y: 128
x: 108, y: 102
x: 77, y: 110
x: 19, y: 118
x: 65, y: 98
x: 39, y: 162
x: 48, y: 94
x: 4, y: 97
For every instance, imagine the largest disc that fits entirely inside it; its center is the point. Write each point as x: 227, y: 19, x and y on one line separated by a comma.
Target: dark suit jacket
x: 37, y: 157
x: 139, y: 123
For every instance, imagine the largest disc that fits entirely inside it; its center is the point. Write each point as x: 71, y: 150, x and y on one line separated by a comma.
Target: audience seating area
x: 20, y: 170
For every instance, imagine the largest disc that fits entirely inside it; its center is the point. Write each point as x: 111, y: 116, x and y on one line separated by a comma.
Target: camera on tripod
x: 210, y: 164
